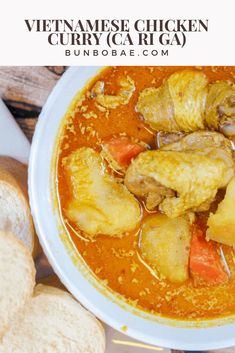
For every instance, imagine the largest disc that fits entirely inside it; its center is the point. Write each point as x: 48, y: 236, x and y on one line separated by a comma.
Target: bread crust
x: 53, y: 321
x: 15, y: 175
x: 12, y: 243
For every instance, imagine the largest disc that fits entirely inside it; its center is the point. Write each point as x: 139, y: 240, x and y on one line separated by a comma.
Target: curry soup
x: 116, y: 260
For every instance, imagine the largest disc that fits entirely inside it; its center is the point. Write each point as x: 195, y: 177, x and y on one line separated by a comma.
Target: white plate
x: 110, y: 309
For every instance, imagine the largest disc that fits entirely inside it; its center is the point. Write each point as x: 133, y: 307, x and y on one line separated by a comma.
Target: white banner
x: 117, y: 32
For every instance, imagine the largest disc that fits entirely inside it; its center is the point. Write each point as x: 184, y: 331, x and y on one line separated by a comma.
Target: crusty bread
x: 17, y: 278
x: 53, y: 322
x: 15, y: 213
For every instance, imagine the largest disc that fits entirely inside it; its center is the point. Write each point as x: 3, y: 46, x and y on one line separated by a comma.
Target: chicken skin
x: 182, y: 176
x: 185, y: 102
x: 193, y: 178
x: 220, y: 107
x: 107, y: 101
x: 177, y: 105
x: 100, y: 204
x: 207, y: 143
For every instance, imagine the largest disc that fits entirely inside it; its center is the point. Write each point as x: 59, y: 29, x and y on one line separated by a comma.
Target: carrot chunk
x: 122, y: 149
x: 204, y: 262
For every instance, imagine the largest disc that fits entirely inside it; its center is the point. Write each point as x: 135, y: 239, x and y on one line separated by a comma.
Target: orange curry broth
x: 116, y: 260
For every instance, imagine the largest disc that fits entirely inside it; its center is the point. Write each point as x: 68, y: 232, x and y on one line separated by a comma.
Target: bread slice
x: 15, y: 213
x: 17, y: 278
x: 53, y: 322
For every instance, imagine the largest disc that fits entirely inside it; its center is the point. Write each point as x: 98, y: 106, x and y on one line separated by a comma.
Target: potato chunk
x: 100, y: 204
x: 222, y: 223
x: 165, y: 246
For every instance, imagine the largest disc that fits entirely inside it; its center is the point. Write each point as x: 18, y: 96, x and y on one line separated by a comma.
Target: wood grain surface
x: 25, y: 90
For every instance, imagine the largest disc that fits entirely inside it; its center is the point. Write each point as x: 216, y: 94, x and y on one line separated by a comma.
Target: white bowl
x: 68, y: 265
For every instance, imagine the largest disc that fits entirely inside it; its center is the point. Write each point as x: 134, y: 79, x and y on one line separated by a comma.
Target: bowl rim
x: 41, y: 206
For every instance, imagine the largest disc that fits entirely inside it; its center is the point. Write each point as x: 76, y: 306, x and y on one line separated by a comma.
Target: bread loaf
x: 53, y: 322
x: 17, y: 278
x: 15, y: 213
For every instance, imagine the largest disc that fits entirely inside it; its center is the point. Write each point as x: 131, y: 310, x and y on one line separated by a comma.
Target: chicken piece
x: 211, y: 144
x: 194, y: 178
x: 164, y: 245
x: 156, y: 107
x: 188, y: 90
x: 127, y: 88
x: 221, y: 225
x: 207, y: 143
x: 100, y: 205
x: 220, y: 107
x: 165, y: 138
x: 148, y: 188
x: 177, y: 105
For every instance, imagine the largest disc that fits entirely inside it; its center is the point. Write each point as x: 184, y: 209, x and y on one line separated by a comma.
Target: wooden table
x: 25, y: 90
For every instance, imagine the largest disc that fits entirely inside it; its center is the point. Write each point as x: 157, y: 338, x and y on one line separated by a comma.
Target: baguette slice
x: 53, y: 322
x: 15, y: 213
x: 17, y: 278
